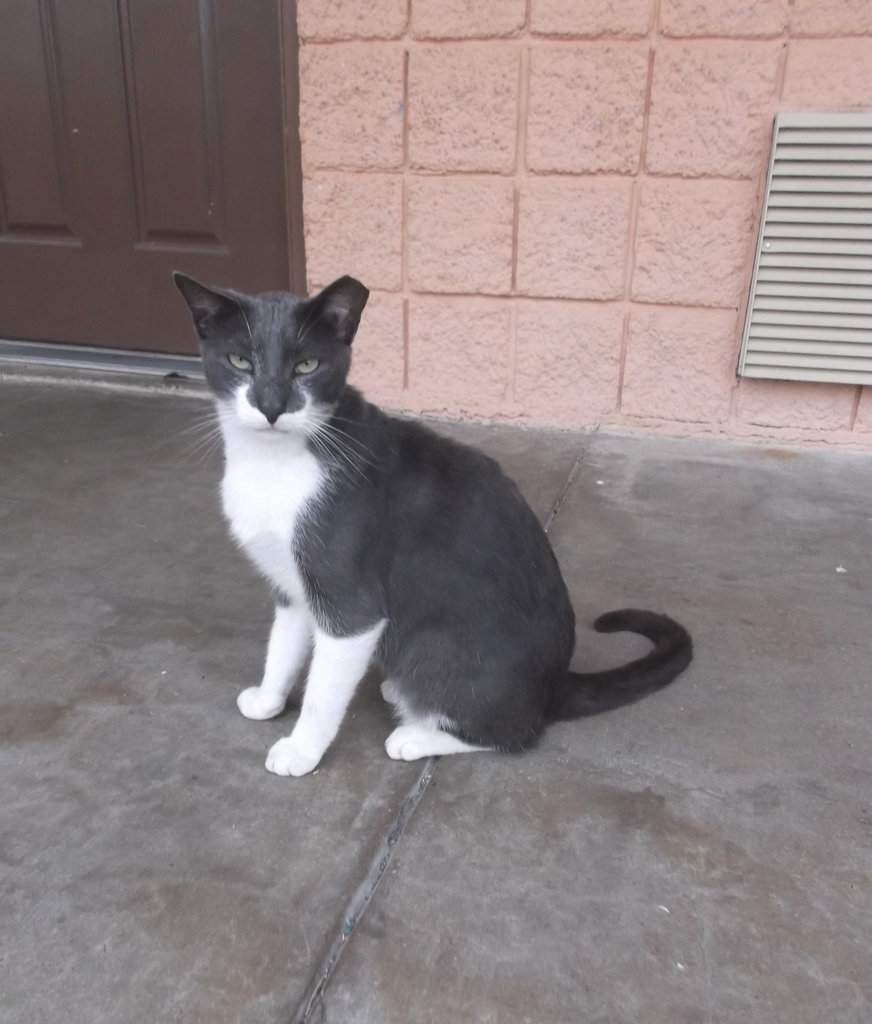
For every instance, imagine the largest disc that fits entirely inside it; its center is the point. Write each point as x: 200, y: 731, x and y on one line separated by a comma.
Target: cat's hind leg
x: 419, y: 736
x: 392, y: 695
x: 423, y: 737
x: 290, y: 641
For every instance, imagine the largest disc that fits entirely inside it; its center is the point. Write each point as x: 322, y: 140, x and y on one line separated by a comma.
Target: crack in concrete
x: 362, y: 896
x: 551, y: 518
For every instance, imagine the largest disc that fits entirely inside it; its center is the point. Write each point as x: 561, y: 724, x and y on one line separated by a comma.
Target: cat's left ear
x: 341, y: 305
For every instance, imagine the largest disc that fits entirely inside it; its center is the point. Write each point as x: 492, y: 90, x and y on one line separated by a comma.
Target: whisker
x: 206, y: 421
x: 312, y: 312
x: 349, y: 439
x: 203, y: 422
x: 301, y: 333
x: 245, y: 318
x: 350, y: 444
x: 330, y: 445
x: 326, y: 449
x: 203, y: 447
x: 199, y: 439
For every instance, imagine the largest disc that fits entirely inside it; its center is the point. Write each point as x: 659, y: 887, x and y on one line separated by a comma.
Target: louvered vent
x: 810, y: 312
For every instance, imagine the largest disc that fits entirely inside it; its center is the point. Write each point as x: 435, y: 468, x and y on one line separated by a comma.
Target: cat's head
x: 276, y: 363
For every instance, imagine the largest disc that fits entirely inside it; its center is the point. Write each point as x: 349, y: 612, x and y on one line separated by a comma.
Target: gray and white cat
x: 386, y: 543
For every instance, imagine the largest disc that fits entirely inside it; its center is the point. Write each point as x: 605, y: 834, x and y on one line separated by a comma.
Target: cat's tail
x: 590, y: 693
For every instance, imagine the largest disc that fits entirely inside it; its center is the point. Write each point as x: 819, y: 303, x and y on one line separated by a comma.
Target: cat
x: 389, y: 544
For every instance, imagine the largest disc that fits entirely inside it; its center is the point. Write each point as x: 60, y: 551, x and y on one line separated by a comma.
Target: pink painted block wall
x: 555, y: 204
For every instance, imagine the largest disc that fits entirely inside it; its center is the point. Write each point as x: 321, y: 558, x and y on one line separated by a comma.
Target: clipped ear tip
x: 358, y: 287
x: 347, y: 283
x: 357, y: 292
x: 184, y: 283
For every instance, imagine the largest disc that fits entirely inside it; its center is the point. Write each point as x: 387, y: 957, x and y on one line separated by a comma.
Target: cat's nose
x: 272, y: 403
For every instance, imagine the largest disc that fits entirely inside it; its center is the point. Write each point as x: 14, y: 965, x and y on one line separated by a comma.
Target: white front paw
x: 253, y: 704
x: 288, y: 757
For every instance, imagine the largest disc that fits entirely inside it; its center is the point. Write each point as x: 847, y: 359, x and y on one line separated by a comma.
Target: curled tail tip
x: 653, y: 625
x: 667, y: 635
x: 591, y: 693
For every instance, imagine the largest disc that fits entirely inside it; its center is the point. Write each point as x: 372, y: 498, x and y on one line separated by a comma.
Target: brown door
x: 136, y: 137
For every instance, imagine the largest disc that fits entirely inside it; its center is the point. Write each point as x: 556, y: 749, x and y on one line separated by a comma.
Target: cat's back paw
x: 414, y: 741
x: 255, y: 705
x: 390, y: 692
x: 409, y: 743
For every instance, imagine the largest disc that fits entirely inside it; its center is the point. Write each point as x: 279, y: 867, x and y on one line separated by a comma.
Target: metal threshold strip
x: 100, y: 360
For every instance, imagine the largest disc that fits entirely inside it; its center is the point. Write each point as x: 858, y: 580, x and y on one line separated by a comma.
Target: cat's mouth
x: 297, y: 423
x: 283, y: 425
x: 289, y: 424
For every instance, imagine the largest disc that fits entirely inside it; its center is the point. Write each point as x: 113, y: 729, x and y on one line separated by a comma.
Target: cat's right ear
x: 209, y: 307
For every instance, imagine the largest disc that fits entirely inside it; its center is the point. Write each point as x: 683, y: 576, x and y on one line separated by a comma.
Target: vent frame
x: 809, y: 312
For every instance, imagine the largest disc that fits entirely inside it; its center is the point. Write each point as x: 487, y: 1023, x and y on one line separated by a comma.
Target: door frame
x: 290, y: 71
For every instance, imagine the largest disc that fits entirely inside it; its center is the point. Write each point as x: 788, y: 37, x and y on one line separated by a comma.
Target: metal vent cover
x: 810, y: 310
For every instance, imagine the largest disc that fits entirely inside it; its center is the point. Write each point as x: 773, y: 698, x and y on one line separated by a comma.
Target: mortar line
x: 363, y: 895
x: 639, y: 179
x: 404, y: 209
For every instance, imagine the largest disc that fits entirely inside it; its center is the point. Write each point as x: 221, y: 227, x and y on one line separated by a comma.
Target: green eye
x: 239, y: 362
x: 307, y: 366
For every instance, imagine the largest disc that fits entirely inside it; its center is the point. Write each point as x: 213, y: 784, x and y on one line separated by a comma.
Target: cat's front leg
x: 290, y: 641
x: 338, y: 665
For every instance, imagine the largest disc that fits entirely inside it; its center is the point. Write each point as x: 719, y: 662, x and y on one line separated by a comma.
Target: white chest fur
x: 267, y: 483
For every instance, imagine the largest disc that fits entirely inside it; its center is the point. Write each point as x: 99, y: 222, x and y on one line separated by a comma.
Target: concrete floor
x: 703, y: 856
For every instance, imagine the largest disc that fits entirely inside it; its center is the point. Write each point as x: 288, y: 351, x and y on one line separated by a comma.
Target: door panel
x: 136, y: 137
x: 176, y: 161
x: 35, y: 172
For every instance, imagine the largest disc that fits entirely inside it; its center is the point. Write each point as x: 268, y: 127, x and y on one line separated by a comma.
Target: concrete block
x: 586, y: 107
x: 616, y: 18
x: 723, y: 17
x: 378, y: 363
x: 572, y: 237
x: 567, y: 360
x: 459, y: 356
x: 680, y: 363
x: 351, y: 19
x: 460, y: 234
x: 351, y: 105
x: 788, y: 403
x: 711, y: 107
x: 354, y: 225
x: 693, y: 242
x: 828, y: 74
x: 463, y: 107
x: 467, y: 19
x: 830, y: 17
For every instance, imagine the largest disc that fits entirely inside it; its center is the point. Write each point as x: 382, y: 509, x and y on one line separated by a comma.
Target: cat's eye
x: 239, y: 362
x: 307, y: 366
